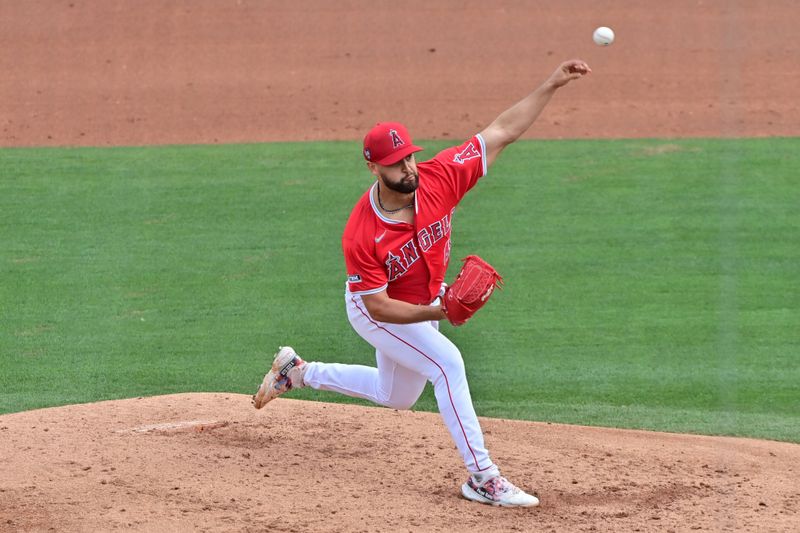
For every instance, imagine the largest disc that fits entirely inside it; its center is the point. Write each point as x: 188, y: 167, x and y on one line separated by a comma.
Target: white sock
x: 484, y: 476
x: 296, y: 376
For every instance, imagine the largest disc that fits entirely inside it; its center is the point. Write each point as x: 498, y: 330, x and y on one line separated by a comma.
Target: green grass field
x: 649, y: 284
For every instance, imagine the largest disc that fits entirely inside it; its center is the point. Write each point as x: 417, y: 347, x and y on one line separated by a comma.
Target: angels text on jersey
x: 399, y: 261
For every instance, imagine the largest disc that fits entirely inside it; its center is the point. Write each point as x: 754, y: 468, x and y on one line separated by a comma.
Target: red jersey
x: 410, y: 260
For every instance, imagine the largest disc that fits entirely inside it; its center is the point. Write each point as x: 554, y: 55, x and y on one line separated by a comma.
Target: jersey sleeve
x: 461, y: 166
x: 365, y: 274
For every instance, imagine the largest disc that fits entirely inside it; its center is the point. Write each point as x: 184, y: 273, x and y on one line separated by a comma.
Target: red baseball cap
x: 387, y: 143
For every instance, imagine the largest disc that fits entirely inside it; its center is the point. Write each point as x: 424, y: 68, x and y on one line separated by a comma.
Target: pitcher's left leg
x: 424, y: 350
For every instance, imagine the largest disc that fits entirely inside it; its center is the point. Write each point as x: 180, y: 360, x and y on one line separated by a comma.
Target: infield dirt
x: 106, y: 73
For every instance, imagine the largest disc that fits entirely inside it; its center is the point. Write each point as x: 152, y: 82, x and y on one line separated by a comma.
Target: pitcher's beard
x: 405, y: 185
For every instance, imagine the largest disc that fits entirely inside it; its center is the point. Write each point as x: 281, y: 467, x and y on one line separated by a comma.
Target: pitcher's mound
x: 210, y: 462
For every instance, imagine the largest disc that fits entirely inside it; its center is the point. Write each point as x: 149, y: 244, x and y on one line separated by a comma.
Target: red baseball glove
x: 471, y: 290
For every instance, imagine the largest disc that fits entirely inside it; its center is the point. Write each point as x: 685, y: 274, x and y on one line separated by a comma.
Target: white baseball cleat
x: 286, y: 374
x: 497, y: 491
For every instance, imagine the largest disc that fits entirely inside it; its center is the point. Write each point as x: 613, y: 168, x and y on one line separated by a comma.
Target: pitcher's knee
x: 401, y: 404
x: 401, y: 398
x: 452, y: 364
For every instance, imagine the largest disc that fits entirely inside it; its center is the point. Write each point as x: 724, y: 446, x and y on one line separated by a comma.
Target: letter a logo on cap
x: 387, y: 143
x: 396, y: 140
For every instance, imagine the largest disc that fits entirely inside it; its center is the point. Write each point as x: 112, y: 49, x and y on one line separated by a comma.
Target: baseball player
x: 397, y: 247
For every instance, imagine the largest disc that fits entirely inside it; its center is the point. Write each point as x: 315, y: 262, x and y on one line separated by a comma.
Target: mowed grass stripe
x: 649, y: 283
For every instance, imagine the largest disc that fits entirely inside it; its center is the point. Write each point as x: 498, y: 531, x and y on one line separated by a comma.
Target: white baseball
x: 603, y: 36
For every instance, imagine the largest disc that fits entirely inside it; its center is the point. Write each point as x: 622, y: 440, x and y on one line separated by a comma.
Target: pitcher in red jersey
x: 396, y: 248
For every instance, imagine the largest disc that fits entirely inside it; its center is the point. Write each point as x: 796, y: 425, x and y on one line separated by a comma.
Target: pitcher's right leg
x: 390, y: 385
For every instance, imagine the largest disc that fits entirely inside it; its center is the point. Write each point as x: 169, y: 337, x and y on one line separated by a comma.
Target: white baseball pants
x: 408, y: 356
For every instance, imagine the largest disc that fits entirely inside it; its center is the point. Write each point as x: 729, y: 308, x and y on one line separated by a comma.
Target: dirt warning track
x: 92, y: 72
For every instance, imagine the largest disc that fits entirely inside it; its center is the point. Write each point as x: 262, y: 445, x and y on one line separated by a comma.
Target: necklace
x: 390, y: 211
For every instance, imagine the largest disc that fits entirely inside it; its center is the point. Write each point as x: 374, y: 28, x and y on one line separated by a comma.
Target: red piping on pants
x: 447, y: 382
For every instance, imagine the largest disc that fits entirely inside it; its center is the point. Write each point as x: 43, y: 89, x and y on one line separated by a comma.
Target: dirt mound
x: 210, y: 462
